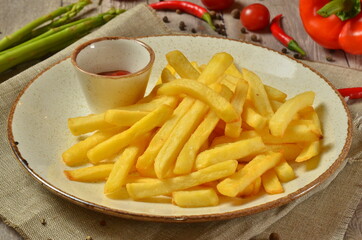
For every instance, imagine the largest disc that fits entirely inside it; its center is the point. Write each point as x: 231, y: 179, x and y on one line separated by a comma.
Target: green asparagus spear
x: 64, y: 19
x: 17, y: 36
x: 44, y: 46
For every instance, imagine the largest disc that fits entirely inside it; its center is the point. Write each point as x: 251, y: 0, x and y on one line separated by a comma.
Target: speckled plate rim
x: 186, y: 218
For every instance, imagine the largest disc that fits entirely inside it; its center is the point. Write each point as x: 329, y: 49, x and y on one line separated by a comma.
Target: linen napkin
x: 25, y: 203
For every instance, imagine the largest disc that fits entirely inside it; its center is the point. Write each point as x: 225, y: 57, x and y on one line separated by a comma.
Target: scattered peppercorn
x: 43, y: 222
x: 16, y: 143
x: 182, y: 26
x: 254, y: 38
x: 274, y: 236
x: 222, y: 31
x: 165, y: 19
x: 193, y: 30
x: 329, y: 59
x: 235, y: 13
x: 88, y: 238
x: 103, y: 223
x: 297, y: 56
x: 243, y: 30
x: 25, y: 162
x: 178, y: 11
x: 284, y: 50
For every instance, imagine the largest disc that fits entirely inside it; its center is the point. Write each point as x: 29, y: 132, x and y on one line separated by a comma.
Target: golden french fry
x: 233, y: 129
x: 178, y: 137
x: 116, y: 143
x: 125, y: 118
x: 186, y: 158
x: 309, y: 113
x: 290, y: 150
x: 297, y: 131
x: 275, y: 94
x: 76, y: 155
x: 93, y: 122
x: 224, y: 139
x: 285, y: 113
x: 253, y: 119
x: 275, y: 104
x: 89, y: 123
x: 258, y: 94
x: 235, y: 150
x: 169, y: 185
x: 200, y: 91
x: 239, y: 181
x: 234, y: 71
x: 123, y: 165
x: 271, y: 182
x: 167, y: 76
x: 195, y: 198
x: 215, y: 68
x: 146, y: 161
x: 312, y: 149
x: 181, y: 64
x: 284, y: 171
x: 97, y: 173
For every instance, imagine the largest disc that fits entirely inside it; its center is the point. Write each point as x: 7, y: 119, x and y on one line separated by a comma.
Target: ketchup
x: 114, y: 73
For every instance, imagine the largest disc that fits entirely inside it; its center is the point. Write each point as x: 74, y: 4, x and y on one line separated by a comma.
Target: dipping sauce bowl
x: 113, y: 71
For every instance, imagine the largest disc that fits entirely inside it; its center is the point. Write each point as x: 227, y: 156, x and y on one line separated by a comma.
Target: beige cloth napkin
x: 24, y: 202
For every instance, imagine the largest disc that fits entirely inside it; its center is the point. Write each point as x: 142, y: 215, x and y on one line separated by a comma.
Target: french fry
x: 271, y: 182
x: 195, y: 198
x: 146, y: 161
x: 233, y: 129
x: 76, y: 155
x: 182, y: 132
x: 234, y: 71
x: 123, y: 165
x: 284, y: 171
x: 239, y: 181
x: 169, y: 185
x: 296, y: 132
x: 312, y: 149
x: 258, y: 94
x: 275, y: 104
x: 309, y: 113
x: 97, y: 173
x: 116, y: 143
x: 181, y: 64
x: 93, y: 122
x: 290, y: 150
x: 235, y: 150
x: 253, y: 119
x: 224, y: 139
x: 167, y: 76
x: 285, y: 113
x: 215, y: 68
x: 186, y: 158
x: 200, y: 91
x: 275, y: 94
x: 124, y: 118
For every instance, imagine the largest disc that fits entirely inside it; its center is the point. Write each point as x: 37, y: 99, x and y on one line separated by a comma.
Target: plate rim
x: 184, y: 218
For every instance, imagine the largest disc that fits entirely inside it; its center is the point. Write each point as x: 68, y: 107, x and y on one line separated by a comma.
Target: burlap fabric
x: 323, y: 213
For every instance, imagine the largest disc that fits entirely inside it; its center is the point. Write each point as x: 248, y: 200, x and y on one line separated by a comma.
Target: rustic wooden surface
x: 14, y: 14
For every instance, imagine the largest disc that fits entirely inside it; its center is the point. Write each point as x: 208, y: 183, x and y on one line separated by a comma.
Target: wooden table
x: 14, y: 14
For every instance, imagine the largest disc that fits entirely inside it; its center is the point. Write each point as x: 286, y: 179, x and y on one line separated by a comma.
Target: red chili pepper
x: 352, y: 93
x: 282, y: 37
x: 333, y: 24
x: 187, y: 7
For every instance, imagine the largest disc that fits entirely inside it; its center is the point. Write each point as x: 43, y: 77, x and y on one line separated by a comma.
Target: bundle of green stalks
x: 49, y: 34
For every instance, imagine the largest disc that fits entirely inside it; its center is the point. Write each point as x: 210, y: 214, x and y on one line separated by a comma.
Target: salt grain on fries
x: 204, y: 132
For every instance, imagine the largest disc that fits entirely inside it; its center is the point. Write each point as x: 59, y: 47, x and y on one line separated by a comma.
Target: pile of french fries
x: 205, y: 131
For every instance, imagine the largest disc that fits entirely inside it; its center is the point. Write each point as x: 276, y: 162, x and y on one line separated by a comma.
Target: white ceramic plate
x: 38, y: 128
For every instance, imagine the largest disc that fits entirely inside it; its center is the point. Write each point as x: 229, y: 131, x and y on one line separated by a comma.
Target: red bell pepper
x: 335, y: 24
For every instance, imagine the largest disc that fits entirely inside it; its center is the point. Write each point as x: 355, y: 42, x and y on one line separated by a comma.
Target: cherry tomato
x: 217, y: 4
x: 255, y: 17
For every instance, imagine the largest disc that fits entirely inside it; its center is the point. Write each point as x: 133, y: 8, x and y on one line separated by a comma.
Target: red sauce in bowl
x: 114, y: 73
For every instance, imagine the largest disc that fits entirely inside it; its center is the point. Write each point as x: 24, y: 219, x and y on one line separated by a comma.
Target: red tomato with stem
x: 217, y: 4
x: 255, y: 17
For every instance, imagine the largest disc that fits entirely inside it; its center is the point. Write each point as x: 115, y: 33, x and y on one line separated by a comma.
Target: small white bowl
x: 111, y: 54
